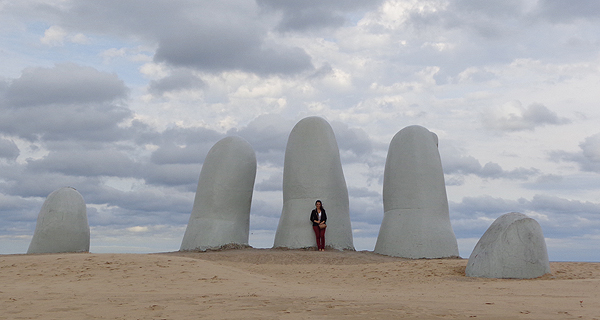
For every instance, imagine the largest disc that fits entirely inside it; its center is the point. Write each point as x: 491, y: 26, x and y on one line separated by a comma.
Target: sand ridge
x: 283, y: 284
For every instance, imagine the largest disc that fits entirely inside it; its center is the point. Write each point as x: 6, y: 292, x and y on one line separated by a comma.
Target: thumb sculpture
x: 62, y: 224
x: 416, y: 221
x: 221, y: 212
x: 312, y: 170
x: 512, y: 247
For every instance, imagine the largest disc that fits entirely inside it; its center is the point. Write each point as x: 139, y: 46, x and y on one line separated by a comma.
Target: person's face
x: 318, y: 204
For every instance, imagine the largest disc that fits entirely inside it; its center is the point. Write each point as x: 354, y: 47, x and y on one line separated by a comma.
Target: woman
x: 318, y: 218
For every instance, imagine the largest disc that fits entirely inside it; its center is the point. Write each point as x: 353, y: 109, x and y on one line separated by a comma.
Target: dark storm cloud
x: 173, y: 154
x: 488, y: 20
x: 353, y: 140
x: 557, y: 216
x: 176, y: 175
x: 3, y: 88
x: 263, y: 209
x: 15, y: 209
x: 9, y: 149
x: 272, y: 183
x: 18, y: 181
x: 146, y: 206
x: 589, y: 157
x: 189, y: 136
x: 268, y: 135
x: 118, y: 218
x: 553, y: 204
x: 355, y: 192
x: 535, y: 115
x: 88, y: 139
x: 314, y: 14
x: 208, y: 53
x: 485, y: 205
x: 365, y: 207
x: 211, y: 36
x: 143, y: 133
x: 554, y: 208
x: 65, y: 122
x: 184, y: 145
x: 87, y: 163
x: 494, y: 171
x: 461, y: 35
x: 489, y: 8
x: 455, y: 163
x: 568, y: 11
x: 590, y: 149
x: 178, y: 80
x: 267, y: 132
x: 64, y: 103
x: 147, y: 201
x: 477, y: 33
x: 65, y: 83
x: 325, y: 70
x: 544, y: 204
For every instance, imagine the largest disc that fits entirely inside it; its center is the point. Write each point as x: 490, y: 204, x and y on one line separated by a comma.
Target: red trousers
x: 320, y: 234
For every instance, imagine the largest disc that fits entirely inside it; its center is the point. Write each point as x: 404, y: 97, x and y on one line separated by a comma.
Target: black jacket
x: 315, y: 216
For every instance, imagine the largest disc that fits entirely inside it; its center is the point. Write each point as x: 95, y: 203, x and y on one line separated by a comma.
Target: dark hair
x: 319, y: 201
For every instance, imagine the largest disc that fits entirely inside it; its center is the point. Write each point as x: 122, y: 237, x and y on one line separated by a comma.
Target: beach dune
x: 283, y: 284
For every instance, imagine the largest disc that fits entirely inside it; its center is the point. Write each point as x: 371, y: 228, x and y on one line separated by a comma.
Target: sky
x: 122, y: 100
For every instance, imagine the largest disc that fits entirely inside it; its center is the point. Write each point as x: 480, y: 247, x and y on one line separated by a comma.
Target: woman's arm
x: 313, y: 217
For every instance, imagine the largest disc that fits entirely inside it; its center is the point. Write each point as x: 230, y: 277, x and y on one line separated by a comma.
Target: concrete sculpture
x: 512, y: 247
x: 312, y: 170
x: 416, y: 221
x: 62, y: 224
x: 221, y: 212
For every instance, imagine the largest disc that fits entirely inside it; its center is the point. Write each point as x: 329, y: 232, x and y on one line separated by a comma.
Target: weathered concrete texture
x: 221, y: 212
x: 416, y: 221
x: 62, y: 224
x: 312, y: 170
x: 512, y: 247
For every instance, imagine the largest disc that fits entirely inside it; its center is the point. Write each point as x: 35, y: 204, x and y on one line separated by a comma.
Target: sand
x: 283, y: 284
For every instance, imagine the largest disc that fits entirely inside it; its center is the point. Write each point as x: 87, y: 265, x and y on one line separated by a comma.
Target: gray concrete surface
x: 221, y: 212
x: 512, y: 247
x: 416, y: 222
x: 62, y: 224
x: 312, y: 170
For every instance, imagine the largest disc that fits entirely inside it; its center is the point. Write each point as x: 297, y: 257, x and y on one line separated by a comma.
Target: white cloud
x: 135, y: 54
x: 150, y: 69
x: 138, y: 229
x: 54, y: 36
x: 113, y: 53
x: 439, y: 46
x: 57, y: 36
x: 79, y: 38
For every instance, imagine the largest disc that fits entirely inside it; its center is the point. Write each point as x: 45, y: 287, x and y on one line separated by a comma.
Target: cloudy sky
x: 122, y: 99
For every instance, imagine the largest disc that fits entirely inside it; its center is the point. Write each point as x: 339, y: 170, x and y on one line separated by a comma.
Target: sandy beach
x: 283, y: 284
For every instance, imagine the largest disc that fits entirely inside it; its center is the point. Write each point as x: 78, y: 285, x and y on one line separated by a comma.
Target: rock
x: 416, y: 222
x: 62, y: 224
x: 313, y: 171
x: 512, y: 247
x: 221, y: 212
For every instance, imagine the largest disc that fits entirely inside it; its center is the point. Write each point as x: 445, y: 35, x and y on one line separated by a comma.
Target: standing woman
x: 318, y: 218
